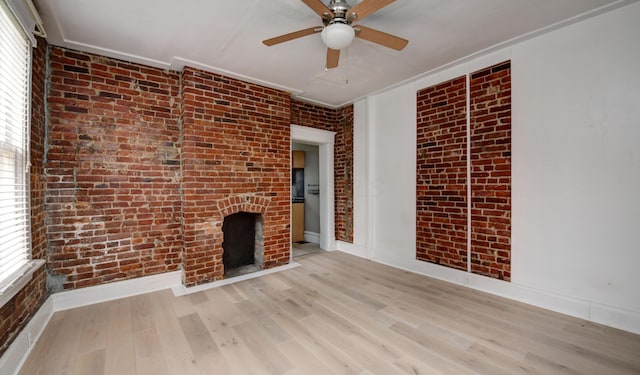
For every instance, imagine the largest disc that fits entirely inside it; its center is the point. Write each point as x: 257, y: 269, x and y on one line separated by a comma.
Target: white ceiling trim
x: 53, y: 33
x: 178, y: 63
x: 309, y: 87
x: 500, y: 46
x: 116, y: 54
x: 322, y: 104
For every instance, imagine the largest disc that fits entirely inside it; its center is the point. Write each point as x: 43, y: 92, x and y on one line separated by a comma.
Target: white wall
x: 575, y: 169
x: 394, y: 183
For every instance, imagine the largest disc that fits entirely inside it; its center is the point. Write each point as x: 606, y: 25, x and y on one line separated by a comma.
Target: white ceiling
x: 226, y: 37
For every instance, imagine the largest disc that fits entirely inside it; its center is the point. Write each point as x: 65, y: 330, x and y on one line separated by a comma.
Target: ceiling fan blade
x: 319, y: 7
x: 333, y: 55
x: 365, y: 8
x: 291, y: 36
x: 380, y: 37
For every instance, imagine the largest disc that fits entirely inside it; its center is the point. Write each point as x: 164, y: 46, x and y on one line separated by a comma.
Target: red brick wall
x: 339, y: 121
x: 15, y: 314
x: 442, y: 230
x: 491, y: 171
x: 236, y: 156
x: 441, y: 212
x: 113, y: 170
x: 116, y: 164
x: 343, y: 170
x: 313, y: 116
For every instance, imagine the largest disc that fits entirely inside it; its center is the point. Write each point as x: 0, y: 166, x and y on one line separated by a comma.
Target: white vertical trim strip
x: 370, y: 245
x: 468, y: 104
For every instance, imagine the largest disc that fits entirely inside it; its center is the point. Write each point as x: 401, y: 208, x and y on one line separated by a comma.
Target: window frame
x: 14, y: 282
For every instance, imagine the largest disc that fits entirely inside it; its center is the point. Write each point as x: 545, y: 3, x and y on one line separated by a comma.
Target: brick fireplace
x: 243, y: 243
x: 235, y: 158
x: 204, y: 256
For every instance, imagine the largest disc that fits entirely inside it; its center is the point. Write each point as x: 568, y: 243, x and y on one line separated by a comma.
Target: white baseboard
x: 119, y: 289
x: 181, y: 290
x: 589, y: 310
x: 614, y: 317
x: 349, y: 248
x: 312, y: 237
x: 15, y: 355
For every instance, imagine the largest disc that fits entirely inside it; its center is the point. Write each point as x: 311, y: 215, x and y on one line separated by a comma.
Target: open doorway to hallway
x: 305, y: 194
x: 318, y: 186
x: 310, y: 191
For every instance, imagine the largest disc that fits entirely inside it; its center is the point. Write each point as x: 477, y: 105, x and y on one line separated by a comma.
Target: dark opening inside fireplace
x: 243, y: 247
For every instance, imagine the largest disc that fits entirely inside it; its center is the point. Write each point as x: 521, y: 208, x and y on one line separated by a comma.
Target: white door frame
x: 324, y: 140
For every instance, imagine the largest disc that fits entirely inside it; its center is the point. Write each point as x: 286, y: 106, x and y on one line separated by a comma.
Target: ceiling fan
x: 338, y: 31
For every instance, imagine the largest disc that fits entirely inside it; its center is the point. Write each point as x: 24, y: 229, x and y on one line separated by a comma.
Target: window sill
x: 22, y: 277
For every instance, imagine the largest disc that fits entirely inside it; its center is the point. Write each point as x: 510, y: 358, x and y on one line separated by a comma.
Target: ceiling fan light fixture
x: 338, y: 35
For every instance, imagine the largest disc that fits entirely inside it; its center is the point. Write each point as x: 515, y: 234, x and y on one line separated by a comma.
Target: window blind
x: 15, y: 60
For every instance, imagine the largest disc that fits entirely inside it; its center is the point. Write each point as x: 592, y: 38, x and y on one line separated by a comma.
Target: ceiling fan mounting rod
x: 340, y: 9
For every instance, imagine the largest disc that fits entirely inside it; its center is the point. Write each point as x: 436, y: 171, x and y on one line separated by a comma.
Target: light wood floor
x: 333, y: 314
x: 302, y: 249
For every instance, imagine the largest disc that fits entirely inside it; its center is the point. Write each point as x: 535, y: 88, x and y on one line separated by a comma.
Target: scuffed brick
x: 120, y: 149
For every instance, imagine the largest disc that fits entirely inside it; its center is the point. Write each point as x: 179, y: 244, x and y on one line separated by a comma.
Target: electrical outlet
x: 466, y: 281
x: 30, y: 338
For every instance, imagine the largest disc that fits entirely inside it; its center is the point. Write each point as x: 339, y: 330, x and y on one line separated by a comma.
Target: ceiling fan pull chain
x: 346, y: 70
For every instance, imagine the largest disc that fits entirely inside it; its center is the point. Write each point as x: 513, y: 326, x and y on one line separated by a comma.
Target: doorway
x: 310, y: 191
x: 324, y: 140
